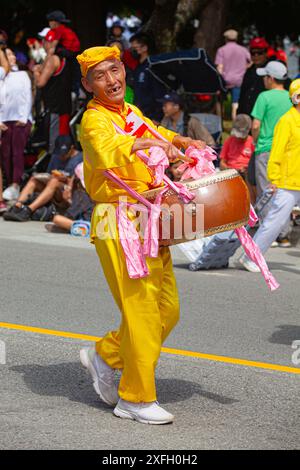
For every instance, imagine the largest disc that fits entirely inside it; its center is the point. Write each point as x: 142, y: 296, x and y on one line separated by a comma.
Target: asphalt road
x: 54, y: 282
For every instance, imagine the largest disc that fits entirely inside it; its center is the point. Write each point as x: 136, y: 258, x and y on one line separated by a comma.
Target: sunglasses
x: 261, y: 52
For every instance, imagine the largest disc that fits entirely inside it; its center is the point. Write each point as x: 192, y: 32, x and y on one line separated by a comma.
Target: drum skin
x: 221, y: 204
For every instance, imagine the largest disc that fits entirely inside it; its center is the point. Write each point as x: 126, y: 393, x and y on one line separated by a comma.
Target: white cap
x: 273, y: 69
x: 44, y: 32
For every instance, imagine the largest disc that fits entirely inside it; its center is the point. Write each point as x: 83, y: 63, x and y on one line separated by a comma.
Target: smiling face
x: 107, y: 81
x: 11, y: 58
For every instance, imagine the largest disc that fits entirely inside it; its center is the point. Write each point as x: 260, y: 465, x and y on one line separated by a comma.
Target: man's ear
x: 86, y: 85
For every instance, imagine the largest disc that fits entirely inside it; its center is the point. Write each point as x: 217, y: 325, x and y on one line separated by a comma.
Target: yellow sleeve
x: 101, y: 144
x: 278, y: 152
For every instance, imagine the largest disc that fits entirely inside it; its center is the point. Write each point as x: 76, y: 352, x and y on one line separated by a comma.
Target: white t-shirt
x: 16, y: 101
x: 2, y: 93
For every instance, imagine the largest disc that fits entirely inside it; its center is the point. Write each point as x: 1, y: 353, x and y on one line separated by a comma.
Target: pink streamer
x: 158, y: 162
x: 135, y: 260
x: 253, y: 252
x: 253, y: 217
x: 202, y: 166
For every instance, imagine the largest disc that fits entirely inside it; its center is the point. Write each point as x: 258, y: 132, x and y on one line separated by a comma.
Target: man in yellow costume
x: 149, y: 306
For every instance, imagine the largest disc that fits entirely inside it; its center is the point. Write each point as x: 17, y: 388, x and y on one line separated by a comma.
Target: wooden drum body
x: 221, y: 204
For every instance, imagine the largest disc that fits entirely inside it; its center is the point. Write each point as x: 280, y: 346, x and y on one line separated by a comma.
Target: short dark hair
x: 279, y: 82
x: 110, y: 42
x: 145, y: 40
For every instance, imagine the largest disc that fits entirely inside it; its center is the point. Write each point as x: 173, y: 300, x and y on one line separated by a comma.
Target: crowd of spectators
x: 47, y: 82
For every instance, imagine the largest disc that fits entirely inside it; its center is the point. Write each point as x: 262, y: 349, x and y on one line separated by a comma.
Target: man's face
x: 53, y: 24
x: 49, y: 47
x: 66, y: 156
x: 117, y: 31
x: 259, y: 57
x: 268, y: 82
x: 12, y: 60
x: 107, y: 81
x: 170, y: 109
x: 138, y: 49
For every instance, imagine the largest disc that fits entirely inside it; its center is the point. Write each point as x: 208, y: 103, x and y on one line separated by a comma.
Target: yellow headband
x: 96, y: 55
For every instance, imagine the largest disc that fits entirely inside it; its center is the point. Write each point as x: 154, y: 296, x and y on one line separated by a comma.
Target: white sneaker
x: 11, y: 194
x: 249, y: 265
x: 275, y: 245
x: 145, y: 413
x: 103, y: 376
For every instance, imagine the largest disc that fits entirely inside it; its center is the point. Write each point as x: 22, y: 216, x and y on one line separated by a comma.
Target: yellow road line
x: 173, y: 352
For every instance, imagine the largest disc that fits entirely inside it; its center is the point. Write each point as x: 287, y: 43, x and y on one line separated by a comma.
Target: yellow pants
x: 150, y: 310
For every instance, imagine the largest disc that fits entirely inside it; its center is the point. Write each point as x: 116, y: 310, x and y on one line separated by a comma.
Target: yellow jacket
x: 104, y: 148
x: 284, y: 162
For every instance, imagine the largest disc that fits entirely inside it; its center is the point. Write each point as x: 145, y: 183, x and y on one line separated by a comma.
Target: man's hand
x: 172, y: 152
x: 3, y: 127
x: 21, y: 124
x: 186, y: 142
x: 273, y: 187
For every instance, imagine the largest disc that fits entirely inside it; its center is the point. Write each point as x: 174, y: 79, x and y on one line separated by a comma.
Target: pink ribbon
x: 158, y: 162
x: 202, y: 166
x: 253, y: 252
x: 253, y: 219
x: 132, y: 247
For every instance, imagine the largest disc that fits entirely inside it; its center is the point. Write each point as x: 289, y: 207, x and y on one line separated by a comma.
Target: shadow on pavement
x: 286, y: 334
x: 294, y: 254
x: 71, y: 381
x: 286, y: 267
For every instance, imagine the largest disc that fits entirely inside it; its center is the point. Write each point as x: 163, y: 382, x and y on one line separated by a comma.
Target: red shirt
x: 67, y: 38
x: 236, y: 153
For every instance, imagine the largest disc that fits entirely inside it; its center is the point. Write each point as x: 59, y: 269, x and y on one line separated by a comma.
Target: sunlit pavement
x: 54, y: 283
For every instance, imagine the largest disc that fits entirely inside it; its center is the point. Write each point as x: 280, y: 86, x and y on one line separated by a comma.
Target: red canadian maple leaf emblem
x: 129, y: 127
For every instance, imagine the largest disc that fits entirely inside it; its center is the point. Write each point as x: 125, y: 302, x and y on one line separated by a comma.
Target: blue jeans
x: 235, y: 94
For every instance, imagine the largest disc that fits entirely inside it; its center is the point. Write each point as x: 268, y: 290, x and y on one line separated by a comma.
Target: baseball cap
x: 241, y: 126
x: 231, y: 34
x: 258, y: 43
x: 273, y: 69
x: 172, y: 98
x: 44, y: 32
x: 63, y: 145
x: 50, y: 36
x: 58, y: 16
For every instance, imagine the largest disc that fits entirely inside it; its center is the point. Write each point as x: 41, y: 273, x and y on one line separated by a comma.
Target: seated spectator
x: 175, y: 119
x: 239, y: 147
x: 81, y: 207
x: 16, y: 122
x: 49, y: 186
x: 173, y: 171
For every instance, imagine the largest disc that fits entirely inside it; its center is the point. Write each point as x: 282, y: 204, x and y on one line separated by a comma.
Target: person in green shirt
x: 270, y: 106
